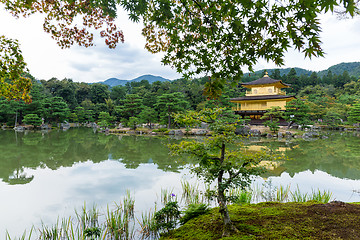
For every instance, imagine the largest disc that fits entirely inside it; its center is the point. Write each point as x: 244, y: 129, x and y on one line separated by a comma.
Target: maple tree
x: 218, y: 37
x: 13, y: 85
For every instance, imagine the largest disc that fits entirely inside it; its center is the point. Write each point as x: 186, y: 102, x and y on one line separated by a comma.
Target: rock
x: 204, y: 125
x: 280, y: 135
x: 45, y: 126
x: 269, y: 135
x: 243, y: 130
x: 201, y: 132
x: 255, y: 132
x: 176, y: 132
x: 19, y: 128
x: 311, y: 134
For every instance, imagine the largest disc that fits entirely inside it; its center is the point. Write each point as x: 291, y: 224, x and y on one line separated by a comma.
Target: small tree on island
x: 297, y: 112
x: 273, y: 115
x: 221, y: 158
x: 32, y: 119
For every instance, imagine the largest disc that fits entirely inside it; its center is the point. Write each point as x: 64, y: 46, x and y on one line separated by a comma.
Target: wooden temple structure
x: 262, y: 94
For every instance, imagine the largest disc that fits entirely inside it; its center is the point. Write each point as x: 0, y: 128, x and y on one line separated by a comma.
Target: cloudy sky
x: 341, y: 42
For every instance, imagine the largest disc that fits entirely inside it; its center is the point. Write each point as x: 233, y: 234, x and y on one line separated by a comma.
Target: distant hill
x: 285, y: 71
x: 353, y: 68
x: 151, y: 78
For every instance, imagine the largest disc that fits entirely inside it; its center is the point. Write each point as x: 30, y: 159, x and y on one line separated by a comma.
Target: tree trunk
x: 228, y: 226
x: 169, y: 118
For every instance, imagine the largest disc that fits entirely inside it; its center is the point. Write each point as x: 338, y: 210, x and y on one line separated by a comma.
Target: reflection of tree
x: 338, y: 155
x: 19, y: 177
x: 21, y: 151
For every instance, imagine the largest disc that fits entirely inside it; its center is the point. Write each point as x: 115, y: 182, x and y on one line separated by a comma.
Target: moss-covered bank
x: 335, y: 220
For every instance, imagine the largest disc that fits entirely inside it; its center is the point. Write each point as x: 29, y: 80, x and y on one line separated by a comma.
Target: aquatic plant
x: 167, y: 218
x: 148, y: 229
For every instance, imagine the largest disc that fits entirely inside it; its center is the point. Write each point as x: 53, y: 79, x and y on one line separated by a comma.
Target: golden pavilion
x: 262, y: 94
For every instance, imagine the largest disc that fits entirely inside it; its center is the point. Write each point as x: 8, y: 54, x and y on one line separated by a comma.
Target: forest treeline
x: 329, y: 99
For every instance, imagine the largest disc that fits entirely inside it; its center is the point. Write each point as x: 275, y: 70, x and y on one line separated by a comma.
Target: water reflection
x: 48, y: 175
x: 32, y: 150
x: 338, y: 155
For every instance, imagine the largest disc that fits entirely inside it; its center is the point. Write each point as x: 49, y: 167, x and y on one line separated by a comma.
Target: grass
x: 273, y: 220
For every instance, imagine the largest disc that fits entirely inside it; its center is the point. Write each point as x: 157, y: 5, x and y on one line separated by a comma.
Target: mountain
x: 151, y: 78
x: 353, y: 68
x: 285, y: 71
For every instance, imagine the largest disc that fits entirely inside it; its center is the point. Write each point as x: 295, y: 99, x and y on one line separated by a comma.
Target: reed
x: 23, y: 237
x: 282, y: 193
x: 167, y: 195
x: 191, y: 194
x: 148, y: 229
x: 322, y: 197
x: 297, y: 196
x: 240, y: 196
x: 120, y: 222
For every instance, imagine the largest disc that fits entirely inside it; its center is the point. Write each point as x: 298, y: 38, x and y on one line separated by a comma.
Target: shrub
x: 194, y: 210
x: 167, y: 217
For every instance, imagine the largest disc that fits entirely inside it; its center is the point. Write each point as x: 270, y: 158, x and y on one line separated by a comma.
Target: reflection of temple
x: 273, y: 168
x: 263, y: 94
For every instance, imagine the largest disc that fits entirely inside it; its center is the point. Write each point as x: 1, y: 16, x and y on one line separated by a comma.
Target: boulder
x: 269, y: 135
x: 255, y: 132
x: 243, y: 130
x: 176, y: 132
x: 204, y: 125
x: 201, y: 132
x: 311, y: 134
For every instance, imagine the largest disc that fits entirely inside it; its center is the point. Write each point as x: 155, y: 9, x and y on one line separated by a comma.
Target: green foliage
x: 99, y: 93
x: 132, y: 106
x: 274, y: 113
x: 32, y: 119
x: 166, y: 218
x: 192, y: 211
x: 73, y: 117
x: 220, y: 157
x: 13, y: 84
x: 273, y: 125
x: 354, y: 113
x: 148, y: 115
x: 220, y: 34
x: 297, y: 112
x: 92, y: 233
x: 160, y: 130
x: 171, y: 103
x: 104, y: 119
x: 133, y: 122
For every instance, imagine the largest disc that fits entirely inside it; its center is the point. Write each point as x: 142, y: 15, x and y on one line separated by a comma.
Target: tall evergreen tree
x: 169, y: 103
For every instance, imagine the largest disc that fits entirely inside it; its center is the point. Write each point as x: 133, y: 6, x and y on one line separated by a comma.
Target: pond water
x: 44, y: 176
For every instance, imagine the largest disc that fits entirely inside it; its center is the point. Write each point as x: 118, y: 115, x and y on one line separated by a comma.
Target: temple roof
x: 261, y: 97
x: 265, y: 80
